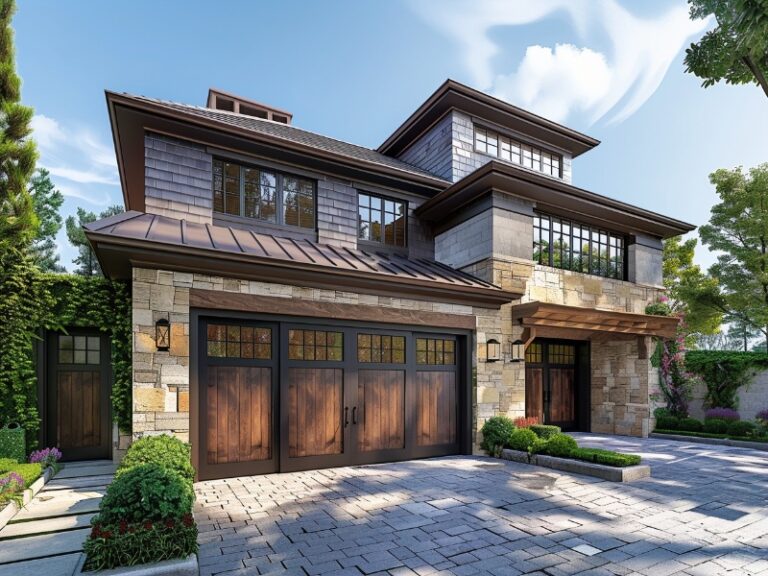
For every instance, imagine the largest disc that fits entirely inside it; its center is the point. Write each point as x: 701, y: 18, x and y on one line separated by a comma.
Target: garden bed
x: 12, y: 508
x: 602, y: 471
x: 177, y: 567
x: 712, y: 439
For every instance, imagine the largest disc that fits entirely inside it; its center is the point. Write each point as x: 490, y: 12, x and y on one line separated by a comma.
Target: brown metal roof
x: 139, y: 239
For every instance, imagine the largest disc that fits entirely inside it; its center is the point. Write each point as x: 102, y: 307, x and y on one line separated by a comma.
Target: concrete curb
x: 178, y: 567
x: 761, y: 446
x: 610, y: 473
x: 12, y: 508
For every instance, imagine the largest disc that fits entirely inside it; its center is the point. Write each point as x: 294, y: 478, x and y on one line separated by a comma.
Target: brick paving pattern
x: 704, y: 513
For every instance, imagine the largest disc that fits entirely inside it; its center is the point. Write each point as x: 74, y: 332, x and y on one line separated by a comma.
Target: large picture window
x: 381, y: 219
x: 574, y: 246
x: 511, y: 150
x: 263, y: 195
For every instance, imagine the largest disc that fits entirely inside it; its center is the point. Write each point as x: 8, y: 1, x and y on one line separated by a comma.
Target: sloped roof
x: 136, y: 239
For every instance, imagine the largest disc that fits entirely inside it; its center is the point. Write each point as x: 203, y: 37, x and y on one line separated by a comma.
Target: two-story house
x: 303, y: 302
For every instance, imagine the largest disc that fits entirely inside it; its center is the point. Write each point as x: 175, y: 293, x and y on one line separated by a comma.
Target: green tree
x: 47, y: 201
x: 18, y: 223
x: 736, y: 50
x: 688, y: 288
x: 87, y: 263
x: 738, y: 231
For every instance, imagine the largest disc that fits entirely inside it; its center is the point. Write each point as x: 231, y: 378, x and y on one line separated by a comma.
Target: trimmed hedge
x: 690, y: 424
x: 606, y: 457
x: 28, y: 472
x: 497, y: 432
x: 163, y: 450
x: 522, y: 439
x: 760, y: 439
x: 741, y: 428
x: 667, y: 422
x: 545, y: 431
x: 715, y: 426
x: 560, y: 445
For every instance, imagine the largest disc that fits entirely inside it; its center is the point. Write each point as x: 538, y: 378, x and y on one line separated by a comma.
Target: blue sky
x: 355, y: 70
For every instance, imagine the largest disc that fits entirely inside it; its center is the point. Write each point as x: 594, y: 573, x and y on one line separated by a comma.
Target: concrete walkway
x: 703, y: 513
x: 46, y: 537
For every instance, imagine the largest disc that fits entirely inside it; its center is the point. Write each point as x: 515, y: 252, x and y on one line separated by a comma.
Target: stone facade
x: 752, y: 398
x: 161, y: 379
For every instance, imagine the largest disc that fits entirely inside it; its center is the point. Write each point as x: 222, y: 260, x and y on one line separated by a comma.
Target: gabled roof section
x: 153, y: 241
x: 454, y: 95
x: 549, y: 195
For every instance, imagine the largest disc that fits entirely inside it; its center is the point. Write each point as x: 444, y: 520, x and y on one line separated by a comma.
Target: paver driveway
x: 704, y: 512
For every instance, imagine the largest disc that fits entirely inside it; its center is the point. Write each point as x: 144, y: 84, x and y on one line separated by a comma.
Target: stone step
x: 80, y: 470
x: 63, y: 503
x: 45, y: 526
x: 63, y: 565
x: 43, y: 546
x: 75, y: 483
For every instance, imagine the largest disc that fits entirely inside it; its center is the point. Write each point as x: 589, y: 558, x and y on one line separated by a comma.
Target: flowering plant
x: 526, y: 421
x: 727, y: 414
x: 45, y: 457
x: 675, y: 381
x: 11, y: 483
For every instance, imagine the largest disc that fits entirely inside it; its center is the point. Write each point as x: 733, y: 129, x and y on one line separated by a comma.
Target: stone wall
x: 161, y: 379
x: 178, y: 178
x: 752, y: 398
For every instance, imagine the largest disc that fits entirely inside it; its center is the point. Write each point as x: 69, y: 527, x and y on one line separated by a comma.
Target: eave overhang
x: 452, y: 95
x: 534, y: 315
x: 131, y: 118
x: 549, y: 195
x: 233, y: 254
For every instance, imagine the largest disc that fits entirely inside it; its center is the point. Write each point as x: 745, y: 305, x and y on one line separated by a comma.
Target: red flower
x: 123, y: 526
x: 147, y: 525
x: 169, y: 523
x: 107, y: 534
x: 188, y: 520
x: 96, y: 532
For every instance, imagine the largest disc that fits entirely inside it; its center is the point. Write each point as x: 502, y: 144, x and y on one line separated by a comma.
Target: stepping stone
x: 75, y: 483
x: 35, y: 527
x: 42, y: 546
x: 67, y: 504
x: 80, y: 471
x: 64, y: 565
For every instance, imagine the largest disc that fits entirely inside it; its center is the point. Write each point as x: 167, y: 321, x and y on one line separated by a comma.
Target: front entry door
x: 78, y: 394
x: 550, y: 383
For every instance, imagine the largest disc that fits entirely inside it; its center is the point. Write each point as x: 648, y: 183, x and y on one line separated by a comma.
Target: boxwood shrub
x: 667, y: 423
x: 689, y: 425
x: 496, y: 433
x: 28, y: 472
x: 741, y: 428
x: 599, y: 456
x: 522, y: 439
x: 545, y: 431
x: 715, y: 426
x: 166, y: 451
x: 557, y: 445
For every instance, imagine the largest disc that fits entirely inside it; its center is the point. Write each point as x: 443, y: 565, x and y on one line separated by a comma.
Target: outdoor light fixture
x: 517, y: 351
x: 493, y: 353
x: 163, y: 334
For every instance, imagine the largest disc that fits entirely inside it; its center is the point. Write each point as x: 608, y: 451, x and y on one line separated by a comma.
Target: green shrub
x: 689, y: 424
x: 667, y: 423
x: 661, y: 412
x: 558, y: 445
x: 545, y: 431
x: 147, y: 492
x: 28, y: 472
x: 741, y: 428
x: 497, y: 431
x: 129, y: 544
x: 522, y: 439
x: 715, y: 426
x: 606, y: 457
x: 166, y: 451
x: 7, y: 464
x: 13, y: 443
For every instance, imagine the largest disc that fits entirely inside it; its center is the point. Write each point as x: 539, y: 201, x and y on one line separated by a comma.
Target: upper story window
x: 263, y: 194
x: 510, y: 150
x: 573, y: 246
x: 381, y: 219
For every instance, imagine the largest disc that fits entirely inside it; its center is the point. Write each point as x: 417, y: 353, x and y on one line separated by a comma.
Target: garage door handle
x: 346, y: 416
x: 354, y: 415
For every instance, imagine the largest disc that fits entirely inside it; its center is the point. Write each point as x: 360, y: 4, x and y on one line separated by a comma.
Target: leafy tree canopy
x: 47, y: 201
x: 87, y: 263
x: 736, y: 50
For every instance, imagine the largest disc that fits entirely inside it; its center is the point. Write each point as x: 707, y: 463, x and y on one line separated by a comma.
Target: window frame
x: 576, y: 235
x: 496, y: 144
x: 279, y: 191
x: 383, y: 199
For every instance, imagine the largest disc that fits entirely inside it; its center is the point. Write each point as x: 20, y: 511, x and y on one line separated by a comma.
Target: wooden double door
x: 555, y: 388
x: 284, y: 396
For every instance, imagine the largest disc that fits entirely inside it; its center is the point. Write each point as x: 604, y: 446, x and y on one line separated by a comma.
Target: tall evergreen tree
x: 18, y: 223
x: 47, y: 201
x: 87, y: 263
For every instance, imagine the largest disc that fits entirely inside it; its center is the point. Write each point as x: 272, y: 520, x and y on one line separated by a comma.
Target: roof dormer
x: 220, y: 100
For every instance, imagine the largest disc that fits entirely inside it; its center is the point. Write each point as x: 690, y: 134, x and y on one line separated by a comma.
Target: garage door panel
x: 239, y: 414
x: 435, y: 408
x: 315, y: 425
x: 381, y: 396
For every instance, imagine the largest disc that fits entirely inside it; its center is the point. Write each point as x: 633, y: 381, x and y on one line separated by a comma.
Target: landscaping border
x: 176, y: 567
x: 12, y: 508
x: 762, y: 446
x: 610, y: 473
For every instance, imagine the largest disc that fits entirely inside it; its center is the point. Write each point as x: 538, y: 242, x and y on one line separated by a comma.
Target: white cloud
x: 565, y: 79
x: 47, y: 131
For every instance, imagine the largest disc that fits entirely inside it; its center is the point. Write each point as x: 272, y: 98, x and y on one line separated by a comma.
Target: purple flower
x: 728, y: 414
x: 762, y: 415
x: 46, y: 456
x: 7, y: 483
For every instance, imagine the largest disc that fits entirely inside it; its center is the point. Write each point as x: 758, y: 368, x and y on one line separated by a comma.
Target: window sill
x: 263, y: 226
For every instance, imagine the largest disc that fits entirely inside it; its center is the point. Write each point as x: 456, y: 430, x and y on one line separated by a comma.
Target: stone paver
x: 704, y: 511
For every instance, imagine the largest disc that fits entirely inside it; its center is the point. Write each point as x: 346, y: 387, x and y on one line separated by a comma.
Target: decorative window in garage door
x: 226, y: 341
x: 380, y: 348
x: 435, y: 351
x: 315, y: 345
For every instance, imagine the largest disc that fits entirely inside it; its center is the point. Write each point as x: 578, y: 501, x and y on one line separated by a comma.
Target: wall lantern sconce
x: 163, y: 334
x: 517, y: 351
x: 493, y: 350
